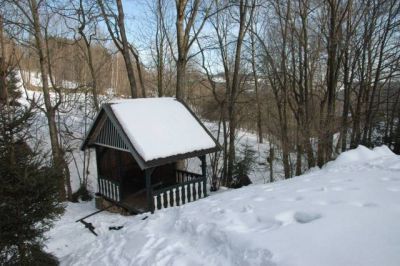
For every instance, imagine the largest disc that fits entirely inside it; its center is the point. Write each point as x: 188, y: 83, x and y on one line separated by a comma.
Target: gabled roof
x: 155, y: 131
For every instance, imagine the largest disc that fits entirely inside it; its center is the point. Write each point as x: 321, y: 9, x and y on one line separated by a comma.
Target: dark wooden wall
x: 121, y: 166
x: 164, y: 175
x: 116, y: 164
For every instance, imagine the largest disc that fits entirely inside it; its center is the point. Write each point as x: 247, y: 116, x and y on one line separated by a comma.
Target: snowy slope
x: 348, y: 213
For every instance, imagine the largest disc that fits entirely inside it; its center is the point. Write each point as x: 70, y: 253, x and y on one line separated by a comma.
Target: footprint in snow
x: 258, y: 257
x: 247, y: 209
x: 390, y: 179
x: 268, y: 189
x: 324, y: 203
x: 237, y: 199
x: 259, y: 199
x: 363, y: 204
x: 290, y: 217
x: 340, y: 180
x: 312, y: 189
x: 218, y: 211
x: 337, y: 188
x: 344, y: 188
x: 306, y: 217
x: 293, y: 199
x: 393, y: 189
x: 267, y: 224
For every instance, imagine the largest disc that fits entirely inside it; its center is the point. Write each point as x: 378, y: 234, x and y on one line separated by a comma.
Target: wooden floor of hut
x: 136, y: 202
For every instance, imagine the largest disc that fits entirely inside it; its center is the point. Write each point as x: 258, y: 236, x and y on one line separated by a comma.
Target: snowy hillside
x: 348, y: 213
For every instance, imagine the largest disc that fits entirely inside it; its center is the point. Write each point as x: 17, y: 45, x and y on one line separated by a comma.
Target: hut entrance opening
x: 120, y: 177
x: 122, y: 180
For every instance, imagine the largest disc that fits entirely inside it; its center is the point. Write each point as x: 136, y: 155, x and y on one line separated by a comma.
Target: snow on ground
x: 34, y: 78
x: 344, y: 214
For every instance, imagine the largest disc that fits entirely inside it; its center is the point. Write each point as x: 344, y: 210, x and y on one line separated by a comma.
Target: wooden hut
x: 138, y: 144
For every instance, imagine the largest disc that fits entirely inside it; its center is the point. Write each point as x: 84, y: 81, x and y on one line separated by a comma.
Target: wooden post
x: 149, y: 193
x: 98, y: 161
x: 203, y: 173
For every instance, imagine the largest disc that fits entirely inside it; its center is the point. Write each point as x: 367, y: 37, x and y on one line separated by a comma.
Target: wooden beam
x: 98, y: 162
x: 204, y: 173
x: 175, y: 158
x: 149, y: 192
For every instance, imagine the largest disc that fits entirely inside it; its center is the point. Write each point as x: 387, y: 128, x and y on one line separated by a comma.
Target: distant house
x: 138, y: 143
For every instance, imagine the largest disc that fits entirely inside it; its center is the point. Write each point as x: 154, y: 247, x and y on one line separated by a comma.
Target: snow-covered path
x: 348, y: 213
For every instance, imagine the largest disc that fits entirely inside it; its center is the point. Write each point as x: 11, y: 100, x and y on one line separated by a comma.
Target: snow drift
x: 344, y: 214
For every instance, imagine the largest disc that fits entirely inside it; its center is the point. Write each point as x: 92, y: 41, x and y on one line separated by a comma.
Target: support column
x: 149, y: 190
x: 99, y: 160
x: 204, y: 173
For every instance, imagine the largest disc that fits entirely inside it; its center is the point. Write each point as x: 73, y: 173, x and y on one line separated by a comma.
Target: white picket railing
x: 109, y: 188
x: 179, y: 194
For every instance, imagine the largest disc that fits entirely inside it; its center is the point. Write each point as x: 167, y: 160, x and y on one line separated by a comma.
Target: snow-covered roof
x: 160, y: 127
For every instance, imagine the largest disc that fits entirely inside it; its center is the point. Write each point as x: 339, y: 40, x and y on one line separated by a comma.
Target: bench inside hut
x: 140, y: 144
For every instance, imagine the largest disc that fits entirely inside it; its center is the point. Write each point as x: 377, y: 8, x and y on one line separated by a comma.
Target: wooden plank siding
x: 109, y: 137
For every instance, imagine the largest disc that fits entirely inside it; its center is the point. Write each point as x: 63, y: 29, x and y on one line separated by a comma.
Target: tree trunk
x: 332, y: 66
x: 92, y: 73
x: 396, y: 145
x: 235, y: 87
x: 321, y: 136
x: 90, y: 64
x: 256, y: 88
x: 160, y: 40
x: 299, y: 155
x: 3, y: 67
x: 271, y: 160
x: 180, y: 78
x: 125, y: 49
x: 58, y: 158
x: 346, y: 102
x: 182, y: 50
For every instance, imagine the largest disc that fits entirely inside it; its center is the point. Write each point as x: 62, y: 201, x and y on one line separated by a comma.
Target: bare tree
x: 3, y: 65
x: 159, y: 50
x: 115, y: 24
x: 31, y: 13
x: 253, y: 62
x: 188, y: 28
x: 246, y: 10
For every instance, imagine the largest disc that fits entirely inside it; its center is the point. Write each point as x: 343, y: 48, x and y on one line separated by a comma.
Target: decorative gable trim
x: 108, y: 136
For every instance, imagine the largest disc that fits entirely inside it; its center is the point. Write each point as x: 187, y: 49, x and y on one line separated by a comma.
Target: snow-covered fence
x: 180, y: 194
x: 109, y: 188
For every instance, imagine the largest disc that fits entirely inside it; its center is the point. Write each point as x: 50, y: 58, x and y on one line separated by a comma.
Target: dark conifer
x: 29, y: 200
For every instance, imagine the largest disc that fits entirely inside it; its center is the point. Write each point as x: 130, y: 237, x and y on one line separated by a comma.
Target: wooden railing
x: 109, y: 188
x: 180, y: 193
x: 184, y: 176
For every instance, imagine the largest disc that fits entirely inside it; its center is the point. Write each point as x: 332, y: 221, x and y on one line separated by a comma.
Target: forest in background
x: 310, y: 78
